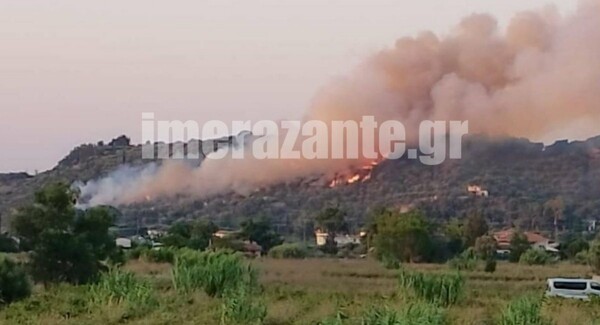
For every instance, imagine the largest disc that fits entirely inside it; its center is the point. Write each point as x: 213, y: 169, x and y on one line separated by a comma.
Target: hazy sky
x: 72, y: 72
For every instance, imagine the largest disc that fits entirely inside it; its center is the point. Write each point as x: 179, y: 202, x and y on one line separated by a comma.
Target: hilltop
x: 520, y: 176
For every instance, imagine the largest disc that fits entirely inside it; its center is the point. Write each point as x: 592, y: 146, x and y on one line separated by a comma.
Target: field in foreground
x: 309, y: 291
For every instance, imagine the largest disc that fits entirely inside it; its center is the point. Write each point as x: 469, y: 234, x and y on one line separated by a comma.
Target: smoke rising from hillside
x: 539, y: 78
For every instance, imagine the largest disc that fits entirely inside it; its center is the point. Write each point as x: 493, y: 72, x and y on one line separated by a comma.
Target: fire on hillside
x: 363, y: 174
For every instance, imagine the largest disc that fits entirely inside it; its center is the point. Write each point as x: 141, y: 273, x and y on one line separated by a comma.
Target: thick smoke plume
x: 539, y: 78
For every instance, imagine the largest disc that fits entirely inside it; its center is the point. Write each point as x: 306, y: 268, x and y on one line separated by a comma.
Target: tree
x: 475, y: 227
x: 194, y: 234
x: 485, y: 247
x: 333, y: 221
x: 575, y: 246
x: 454, y: 234
x: 67, y: 244
x: 260, y: 232
x: 405, y: 237
x: 556, y: 208
x: 518, y: 245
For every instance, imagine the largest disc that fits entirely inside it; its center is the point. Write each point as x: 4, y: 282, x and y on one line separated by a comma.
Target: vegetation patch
x: 441, y: 289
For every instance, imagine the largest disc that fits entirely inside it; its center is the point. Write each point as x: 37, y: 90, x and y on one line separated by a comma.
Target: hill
x: 521, y: 177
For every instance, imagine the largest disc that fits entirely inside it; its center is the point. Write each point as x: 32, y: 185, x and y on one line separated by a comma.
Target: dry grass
x: 308, y: 291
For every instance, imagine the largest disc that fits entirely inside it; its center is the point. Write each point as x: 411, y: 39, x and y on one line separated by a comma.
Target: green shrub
x: 288, y: 251
x: 418, y: 313
x: 242, y: 306
x: 214, y: 272
x: 524, y: 311
x: 466, y: 261
x: 535, y: 256
x: 14, y: 282
x: 119, y: 287
x: 160, y: 255
x: 441, y: 289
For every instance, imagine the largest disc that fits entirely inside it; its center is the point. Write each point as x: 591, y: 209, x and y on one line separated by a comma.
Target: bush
x: 160, y: 255
x: 288, y: 251
x: 442, y: 289
x: 119, y: 287
x: 466, y: 261
x: 419, y: 313
x: 214, y: 272
x: 534, y: 256
x: 14, y: 282
x: 524, y: 311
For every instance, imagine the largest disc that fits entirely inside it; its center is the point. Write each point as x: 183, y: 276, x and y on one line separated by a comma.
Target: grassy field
x: 309, y: 291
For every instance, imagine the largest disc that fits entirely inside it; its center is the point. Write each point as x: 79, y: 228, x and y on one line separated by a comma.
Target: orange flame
x: 363, y: 175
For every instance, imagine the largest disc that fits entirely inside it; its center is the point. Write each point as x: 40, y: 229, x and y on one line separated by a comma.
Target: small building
x: 340, y: 240
x: 123, y: 242
x: 476, y: 190
x: 535, y: 239
x: 224, y: 233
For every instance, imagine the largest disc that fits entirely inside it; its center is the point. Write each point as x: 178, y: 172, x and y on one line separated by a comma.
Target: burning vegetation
x: 362, y: 174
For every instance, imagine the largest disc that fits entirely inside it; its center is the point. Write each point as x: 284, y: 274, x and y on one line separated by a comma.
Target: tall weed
x: 117, y: 287
x: 213, y: 272
x: 525, y: 310
x: 441, y: 289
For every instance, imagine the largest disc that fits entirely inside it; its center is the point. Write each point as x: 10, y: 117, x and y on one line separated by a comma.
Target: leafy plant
x: 14, y: 282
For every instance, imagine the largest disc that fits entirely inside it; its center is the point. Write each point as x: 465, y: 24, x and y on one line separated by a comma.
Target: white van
x: 572, y: 288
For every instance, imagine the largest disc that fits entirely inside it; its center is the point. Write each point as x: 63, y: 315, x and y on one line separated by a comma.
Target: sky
x: 72, y: 72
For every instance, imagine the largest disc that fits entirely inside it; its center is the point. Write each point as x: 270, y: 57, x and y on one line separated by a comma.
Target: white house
x: 123, y: 242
